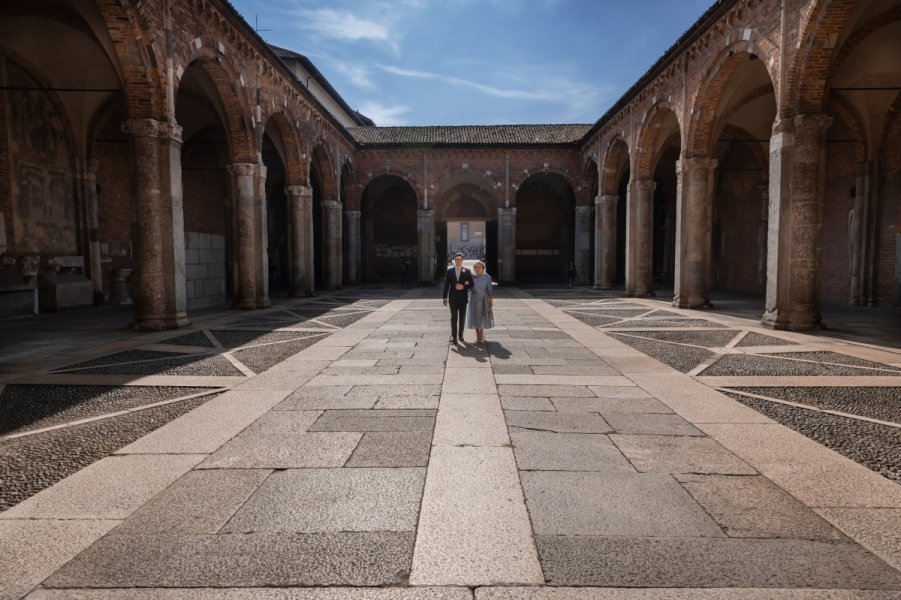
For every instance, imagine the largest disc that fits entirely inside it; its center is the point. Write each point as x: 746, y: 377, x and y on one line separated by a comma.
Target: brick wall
x: 204, y: 269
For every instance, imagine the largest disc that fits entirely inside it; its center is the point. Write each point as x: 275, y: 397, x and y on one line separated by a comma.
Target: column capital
x: 645, y: 185
x: 86, y: 166
x: 425, y: 212
x: 152, y: 128
x: 606, y: 199
x: 299, y: 190
x: 247, y: 169
x: 331, y: 204
x: 584, y: 208
x: 814, y: 121
x: 691, y: 163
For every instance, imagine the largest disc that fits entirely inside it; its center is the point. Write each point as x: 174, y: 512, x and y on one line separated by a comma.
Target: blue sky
x: 477, y: 62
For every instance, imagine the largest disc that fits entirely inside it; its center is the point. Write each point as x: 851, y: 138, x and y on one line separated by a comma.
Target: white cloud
x: 357, y: 74
x: 383, y: 115
x: 342, y: 25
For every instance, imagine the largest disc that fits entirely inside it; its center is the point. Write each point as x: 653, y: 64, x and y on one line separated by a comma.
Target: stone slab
x: 264, y: 449
x: 650, y: 423
x: 392, y: 449
x: 32, y: 549
x: 332, y: 501
x: 352, y: 558
x: 407, y: 402
x: 468, y: 381
x: 470, y: 420
x: 596, y: 593
x: 754, y: 507
x: 548, y: 391
x: 671, y: 454
x: 876, y: 529
x: 695, y: 401
x: 547, y: 451
x: 369, y: 391
x: 375, y: 420
x: 562, y: 380
x: 712, y: 562
x: 208, y: 426
x: 815, y: 475
x: 199, y: 502
x: 111, y: 488
x: 526, y: 403
x: 611, y: 405
x: 473, y: 525
x: 363, y: 379
x: 613, y: 504
x: 328, y: 593
x: 557, y: 422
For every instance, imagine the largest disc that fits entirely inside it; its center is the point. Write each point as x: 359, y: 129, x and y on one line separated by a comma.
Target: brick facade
x: 756, y: 123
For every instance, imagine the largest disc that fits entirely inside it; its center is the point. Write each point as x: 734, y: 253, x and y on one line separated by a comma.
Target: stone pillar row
x: 300, y: 232
x: 605, y: 242
x: 353, y: 238
x: 248, y: 191
x: 426, y: 228
x: 694, y: 230
x: 640, y: 238
x: 506, y: 260
x: 582, y: 255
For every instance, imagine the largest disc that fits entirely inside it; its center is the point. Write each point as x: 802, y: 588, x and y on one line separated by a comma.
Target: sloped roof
x: 470, y: 135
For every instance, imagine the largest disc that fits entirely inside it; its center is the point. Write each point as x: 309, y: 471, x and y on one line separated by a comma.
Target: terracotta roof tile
x: 470, y: 135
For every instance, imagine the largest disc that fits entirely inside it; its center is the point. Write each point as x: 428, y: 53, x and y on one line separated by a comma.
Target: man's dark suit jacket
x: 450, y: 278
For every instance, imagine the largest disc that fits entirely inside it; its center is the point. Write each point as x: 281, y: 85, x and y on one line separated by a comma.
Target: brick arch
x: 489, y: 184
x: 141, y: 73
x: 238, y: 119
x: 699, y: 139
x: 525, y: 174
x: 617, y: 149
x: 348, y: 198
x: 295, y: 169
x: 851, y: 117
x: 893, y: 113
x: 646, y: 156
x: 321, y: 158
x: 810, y: 72
x: 760, y: 155
x: 723, y: 122
x: 590, y: 182
x: 410, y: 178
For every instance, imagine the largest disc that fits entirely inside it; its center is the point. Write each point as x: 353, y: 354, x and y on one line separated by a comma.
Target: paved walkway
x: 597, y: 448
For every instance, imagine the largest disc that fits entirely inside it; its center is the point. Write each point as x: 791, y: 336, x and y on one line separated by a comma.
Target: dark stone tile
x: 241, y: 560
x: 711, y: 562
x: 375, y: 420
x: 392, y: 449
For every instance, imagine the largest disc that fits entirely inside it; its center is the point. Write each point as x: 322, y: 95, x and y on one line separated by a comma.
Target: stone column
x: 640, y: 238
x: 249, y: 200
x: 300, y: 230
x: 582, y: 254
x: 331, y: 217
x: 694, y: 228
x: 159, y: 233
x: 857, y: 233
x: 86, y: 186
x: 797, y: 178
x: 352, y: 246
x: 506, y: 240
x: 426, y: 245
x: 605, y: 242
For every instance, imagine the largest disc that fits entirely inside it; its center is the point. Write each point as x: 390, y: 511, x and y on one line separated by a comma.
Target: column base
x: 774, y: 319
x: 605, y: 286
x: 160, y: 322
x: 634, y: 294
x: 250, y: 305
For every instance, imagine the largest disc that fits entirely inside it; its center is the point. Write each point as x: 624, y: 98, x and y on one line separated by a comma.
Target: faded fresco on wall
x: 40, y: 162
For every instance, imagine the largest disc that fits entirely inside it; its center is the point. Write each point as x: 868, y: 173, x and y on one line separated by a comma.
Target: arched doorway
x: 544, y: 229
x: 467, y: 224
x: 389, y: 229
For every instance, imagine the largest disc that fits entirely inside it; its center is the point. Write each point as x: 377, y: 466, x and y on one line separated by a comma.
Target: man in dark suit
x: 457, y: 283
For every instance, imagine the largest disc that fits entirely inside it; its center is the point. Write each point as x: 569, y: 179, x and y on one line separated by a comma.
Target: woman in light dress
x: 479, y: 314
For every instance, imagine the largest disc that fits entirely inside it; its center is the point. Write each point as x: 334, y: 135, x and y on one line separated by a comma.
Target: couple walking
x: 474, y: 311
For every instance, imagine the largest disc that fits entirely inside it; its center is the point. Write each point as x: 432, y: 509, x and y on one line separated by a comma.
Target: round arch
x: 390, y: 233
x: 545, y: 205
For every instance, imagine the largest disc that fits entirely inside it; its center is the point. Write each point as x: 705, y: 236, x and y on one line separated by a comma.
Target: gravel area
x: 744, y: 365
x: 192, y: 339
x: 708, y: 339
x: 759, y: 339
x: 264, y: 357
x: 883, y: 403
x: 682, y: 358
x: 835, y: 357
x: 216, y: 366
x: 26, y: 407
x: 233, y: 339
x: 877, y: 447
x: 120, y: 357
x: 625, y: 313
x: 32, y: 463
x: 645, y: 323
x: 594, y: 319
x: 343, y: 320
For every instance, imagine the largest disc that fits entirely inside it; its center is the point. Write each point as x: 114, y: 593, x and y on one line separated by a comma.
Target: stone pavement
x: 596, y: 448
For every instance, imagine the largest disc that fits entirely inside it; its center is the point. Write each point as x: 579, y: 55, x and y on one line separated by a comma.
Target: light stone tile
x: 473, y: 526
x: 325, y: 593
x: 349, y: 379
x: 548, y: 391
x: 649, y: 423
x: 557, y: 422
x: 111, y: 488
x: 610, y: 405
x: 208, y: 426
x: 613, y: 392
x: 673, y: 454
x: 548, y: 451
x: 526, y: 403
x: 199, y: 502
x: 755, y: 507
x: 332, y: 501
x: 290, y: 422
x: 471, y: 420
x: 638, y: 364
x: 815, y: 475
x: 459, y: 360
x: 370, y: 391
x: 31, y: 550
x: 596, y: 593
x: 468, y: 381
x: 695, y: 401
x: 612, y: 504
x: 876, y: 529
x: 276, y: 450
